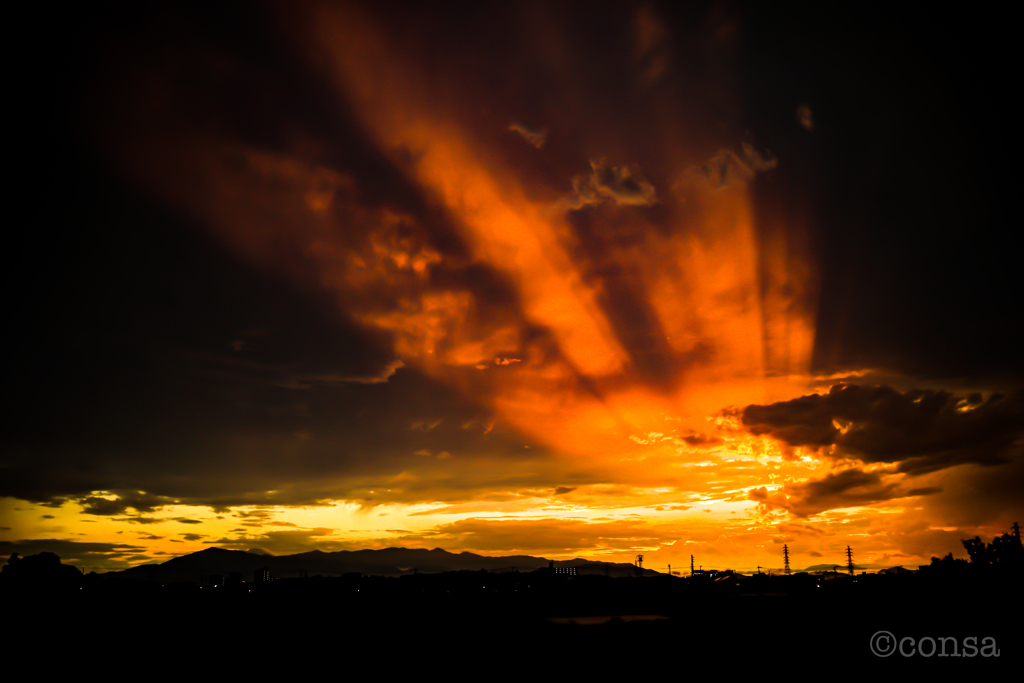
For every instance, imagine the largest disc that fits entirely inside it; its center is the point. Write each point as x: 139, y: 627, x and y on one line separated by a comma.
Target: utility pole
x: 849, y: 560
x: 785, y: 556
x: 691, y: 565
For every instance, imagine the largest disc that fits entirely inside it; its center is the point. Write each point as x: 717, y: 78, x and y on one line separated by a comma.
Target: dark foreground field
x: 534, y: 624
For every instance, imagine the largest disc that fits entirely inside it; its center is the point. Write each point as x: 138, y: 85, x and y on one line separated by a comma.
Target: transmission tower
x: 785, y: 556
x: 639, y: 565
x: 691, y: 565
x: 849, y: 560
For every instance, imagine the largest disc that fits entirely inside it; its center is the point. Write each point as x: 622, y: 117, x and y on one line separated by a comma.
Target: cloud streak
x: 535, y: 135
x: 623, y: 185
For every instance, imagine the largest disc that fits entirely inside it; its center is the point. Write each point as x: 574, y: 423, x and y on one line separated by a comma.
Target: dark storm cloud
x: 159, y: 350
x: 973, y: 441
x: 918, y: 274
x: 281, y: 446
x: 976, y: 495
x: 74, y: 552
x: 848, y: 488
x: 918, y: 430
x: 142, y: 392
x: 139, y: 501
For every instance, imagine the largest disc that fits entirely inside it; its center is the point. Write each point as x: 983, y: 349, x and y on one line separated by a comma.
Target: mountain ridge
x: 392, y: 561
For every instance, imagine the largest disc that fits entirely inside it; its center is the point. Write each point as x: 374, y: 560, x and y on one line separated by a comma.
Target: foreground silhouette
x: 810, y: 618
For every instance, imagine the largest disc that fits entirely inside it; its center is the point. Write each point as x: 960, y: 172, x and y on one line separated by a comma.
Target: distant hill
x: 387, y: 562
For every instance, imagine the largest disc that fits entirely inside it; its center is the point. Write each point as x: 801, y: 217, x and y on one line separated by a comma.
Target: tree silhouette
x: 1005, y: 550
x: 948, y: 561
x: 977, y: 550
x: 42, y: 569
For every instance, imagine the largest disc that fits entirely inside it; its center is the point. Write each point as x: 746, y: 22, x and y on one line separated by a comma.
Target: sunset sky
x: 515, y: 278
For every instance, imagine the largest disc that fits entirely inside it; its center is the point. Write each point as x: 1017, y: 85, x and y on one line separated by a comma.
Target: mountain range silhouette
x: 384, y: 562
